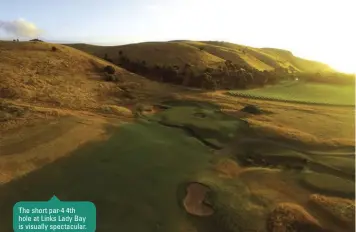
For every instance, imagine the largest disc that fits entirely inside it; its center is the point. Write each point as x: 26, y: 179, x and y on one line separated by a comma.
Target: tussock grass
x: 291, y: 217
x: 339, y: 208
x: 68, y: 78
x: 117, y: 110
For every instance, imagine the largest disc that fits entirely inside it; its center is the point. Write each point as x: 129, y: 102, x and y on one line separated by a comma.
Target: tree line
x: 225, y: 76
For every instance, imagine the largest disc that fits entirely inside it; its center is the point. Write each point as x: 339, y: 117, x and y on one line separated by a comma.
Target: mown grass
x: 132, y: 178
x: 303, y: 92
x: 212, y: 127
x: 329, y: 184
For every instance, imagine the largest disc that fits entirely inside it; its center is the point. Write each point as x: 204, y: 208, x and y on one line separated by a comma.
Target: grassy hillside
x: 297, y: 62
x: 33, y: 73
x: 206, y: 54
x: 157, y: 53
x: 211, y: 65
x: 138, y: 169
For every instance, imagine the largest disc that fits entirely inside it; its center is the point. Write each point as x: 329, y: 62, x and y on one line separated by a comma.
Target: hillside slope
x: 206, y: 54
x: 31, y: 72
x: 156, y: 53
x: 297, y: 62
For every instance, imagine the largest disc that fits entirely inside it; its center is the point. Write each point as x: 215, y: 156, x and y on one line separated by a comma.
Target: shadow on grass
x: 132, y: 178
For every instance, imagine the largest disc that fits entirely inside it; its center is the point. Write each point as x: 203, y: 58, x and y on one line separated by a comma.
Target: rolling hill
x: 204, y: 54
x: 187, y: 154
x: 69, y: 78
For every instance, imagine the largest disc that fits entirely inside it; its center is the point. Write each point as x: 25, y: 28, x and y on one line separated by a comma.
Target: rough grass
x: 304, y: 92
x: 339, y: 208
x: 157, y: 53
x: 291, y: 217
x: 9, y: 111
x: 117, y: 110
x: 68, y: 78
x: 33, y: 73
x: 14, y: 115
x: 227, y: 168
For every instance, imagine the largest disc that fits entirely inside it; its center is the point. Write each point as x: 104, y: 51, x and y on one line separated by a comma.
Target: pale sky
x: 322, y: 30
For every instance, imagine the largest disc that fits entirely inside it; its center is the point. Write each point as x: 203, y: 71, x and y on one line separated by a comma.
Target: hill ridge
x: 257, y: 58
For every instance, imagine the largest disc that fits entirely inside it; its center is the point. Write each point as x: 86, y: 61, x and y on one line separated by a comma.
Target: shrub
x: 209, y: 70
x: 187, y: 65
x: 111, y: 77
x: 252, y: 109
x: 36, y: 40
x: 208, y: 82
x: 109, y: 69
x: 54, y: 49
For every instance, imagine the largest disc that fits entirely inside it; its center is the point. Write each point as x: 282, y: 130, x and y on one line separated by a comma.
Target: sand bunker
x: 194, y: 200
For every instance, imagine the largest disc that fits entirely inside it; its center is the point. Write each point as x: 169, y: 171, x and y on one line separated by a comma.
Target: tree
x: 208, y: 82
x: 109, y: 69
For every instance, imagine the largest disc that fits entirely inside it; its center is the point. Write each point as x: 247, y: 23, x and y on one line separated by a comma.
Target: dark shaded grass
x: 132, y: 178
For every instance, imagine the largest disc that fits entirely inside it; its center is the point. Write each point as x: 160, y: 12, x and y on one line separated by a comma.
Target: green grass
x: 304, y: 92
x: 212, y: 127
x: 132, y: 178
x: 136, y: 177
x: 328, y: 184
x: 346, y: 164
